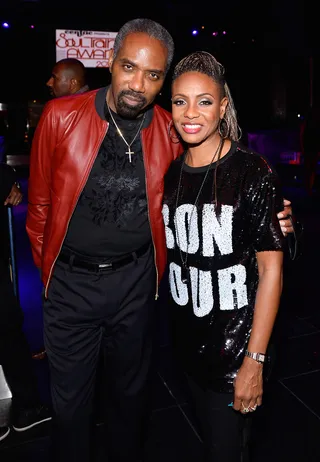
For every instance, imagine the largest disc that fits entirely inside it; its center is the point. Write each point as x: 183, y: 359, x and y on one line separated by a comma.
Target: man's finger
x: 285, y: 224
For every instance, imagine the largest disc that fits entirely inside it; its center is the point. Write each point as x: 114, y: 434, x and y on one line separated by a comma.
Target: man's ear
x: 111, y: 60
x: 73, y: 84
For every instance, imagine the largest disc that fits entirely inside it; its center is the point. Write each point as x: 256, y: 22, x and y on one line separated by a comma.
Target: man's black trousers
x: 85, y: 313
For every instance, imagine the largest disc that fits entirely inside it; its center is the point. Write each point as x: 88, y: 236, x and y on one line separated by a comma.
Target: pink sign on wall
x: 92, y: 48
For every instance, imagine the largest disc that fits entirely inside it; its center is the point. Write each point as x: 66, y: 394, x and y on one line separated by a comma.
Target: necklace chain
x: 129, y: 152
x: 185, y: 260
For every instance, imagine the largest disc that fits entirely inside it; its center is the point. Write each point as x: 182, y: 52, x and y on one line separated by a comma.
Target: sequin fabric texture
x: 212, y: 309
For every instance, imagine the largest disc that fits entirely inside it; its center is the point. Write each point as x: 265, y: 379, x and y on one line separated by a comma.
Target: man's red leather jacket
x: 65, y: 145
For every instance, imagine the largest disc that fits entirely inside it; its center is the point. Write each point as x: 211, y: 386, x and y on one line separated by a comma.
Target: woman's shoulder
x: 253, y: 161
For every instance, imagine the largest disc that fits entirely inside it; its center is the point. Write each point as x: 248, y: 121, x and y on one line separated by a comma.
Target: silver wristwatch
x: 259, y: 357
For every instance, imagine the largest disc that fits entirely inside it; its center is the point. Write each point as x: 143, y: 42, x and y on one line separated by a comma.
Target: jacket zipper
x: 154, y: 247
x: 52, y: 266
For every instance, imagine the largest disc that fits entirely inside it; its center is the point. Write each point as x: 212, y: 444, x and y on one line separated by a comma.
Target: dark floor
x: 287, y: 427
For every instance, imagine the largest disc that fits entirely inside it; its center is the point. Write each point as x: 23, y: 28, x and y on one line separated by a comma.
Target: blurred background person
x: 68, y: 78
x: 15, y: 356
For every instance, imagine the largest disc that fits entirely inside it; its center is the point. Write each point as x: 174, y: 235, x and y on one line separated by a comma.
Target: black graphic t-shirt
x: 213, y: 302
x: 111, y: 217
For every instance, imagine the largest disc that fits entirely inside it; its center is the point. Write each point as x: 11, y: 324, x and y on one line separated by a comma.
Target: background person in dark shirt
x: 68, y: 78
x: 225, y: 257
x: 15, y: 355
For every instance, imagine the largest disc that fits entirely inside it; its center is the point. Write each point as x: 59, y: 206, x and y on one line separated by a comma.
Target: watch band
x: 259, y: 357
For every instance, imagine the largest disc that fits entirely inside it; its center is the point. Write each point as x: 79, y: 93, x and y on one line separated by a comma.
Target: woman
x: 225, y: 256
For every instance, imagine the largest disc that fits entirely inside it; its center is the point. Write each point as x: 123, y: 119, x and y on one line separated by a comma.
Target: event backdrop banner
x: 92, y: 48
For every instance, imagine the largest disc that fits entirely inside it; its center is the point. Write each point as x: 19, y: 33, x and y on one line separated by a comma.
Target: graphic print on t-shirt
x: 216, y: 234
x: 114, y: 198
x: 115, y: 192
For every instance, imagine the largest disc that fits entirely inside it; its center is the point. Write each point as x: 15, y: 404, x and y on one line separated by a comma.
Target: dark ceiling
x: 278, y: 24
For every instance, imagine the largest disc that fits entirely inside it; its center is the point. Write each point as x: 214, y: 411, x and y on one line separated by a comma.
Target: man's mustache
x: 133, y: 95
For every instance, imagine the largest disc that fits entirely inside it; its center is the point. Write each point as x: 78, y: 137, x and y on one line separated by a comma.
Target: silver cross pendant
x: 129, y: 153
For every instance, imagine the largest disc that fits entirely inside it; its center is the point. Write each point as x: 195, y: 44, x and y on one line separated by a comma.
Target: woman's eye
x: 178, y: 102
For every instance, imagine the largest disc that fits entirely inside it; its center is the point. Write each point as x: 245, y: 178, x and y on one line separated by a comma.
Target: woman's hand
x: 248, y: 386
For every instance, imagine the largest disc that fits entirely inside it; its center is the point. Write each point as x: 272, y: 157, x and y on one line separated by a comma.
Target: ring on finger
x: 245, y: 410
x: 253, y: 408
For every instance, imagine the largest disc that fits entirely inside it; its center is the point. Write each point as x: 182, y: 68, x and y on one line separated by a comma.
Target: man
x: 15, y: 355
x: 96, y: 230
x: 68, y: 78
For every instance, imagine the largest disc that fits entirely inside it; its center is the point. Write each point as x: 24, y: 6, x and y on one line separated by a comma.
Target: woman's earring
x: 174, y: 136
x: 223, y: 128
